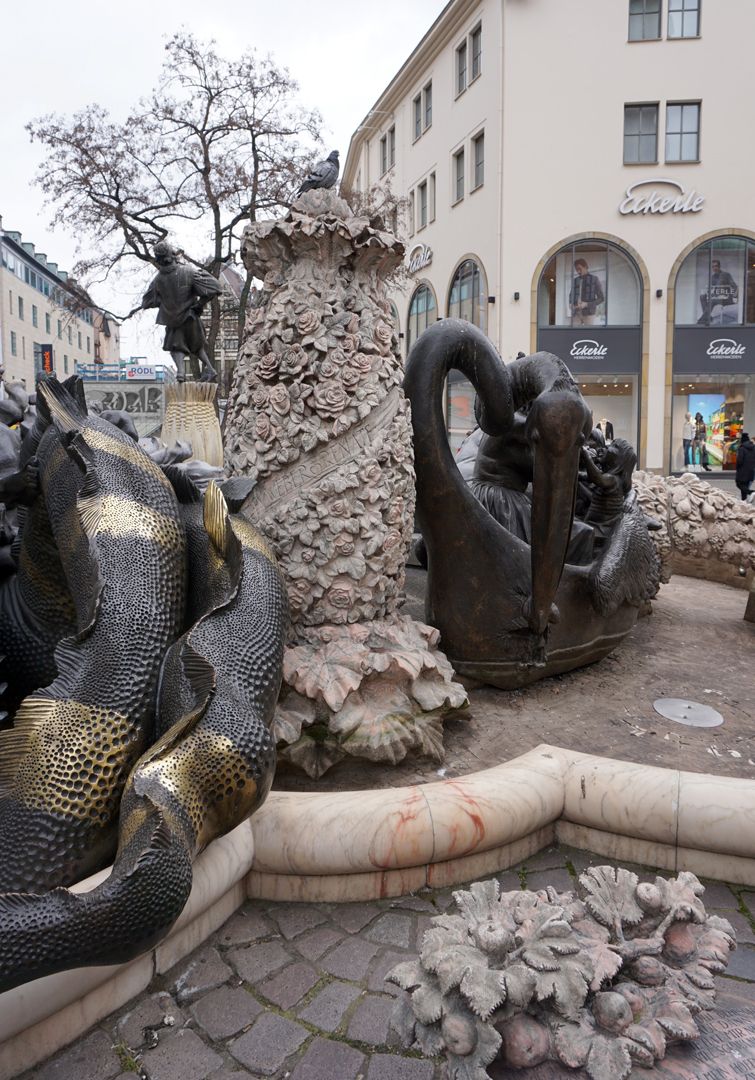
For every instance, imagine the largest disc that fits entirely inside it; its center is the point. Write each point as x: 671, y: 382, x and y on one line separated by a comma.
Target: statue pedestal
x: 191, y: 416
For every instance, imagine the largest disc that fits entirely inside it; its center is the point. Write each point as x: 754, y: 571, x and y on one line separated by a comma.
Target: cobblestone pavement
x: 297, y: 991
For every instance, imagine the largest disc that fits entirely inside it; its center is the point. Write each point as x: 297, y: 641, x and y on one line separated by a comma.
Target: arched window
x: 423, y: 311
x: 467, y: 297
x: 714, y: 336
x: 715, y: 285
x: 590, y: 283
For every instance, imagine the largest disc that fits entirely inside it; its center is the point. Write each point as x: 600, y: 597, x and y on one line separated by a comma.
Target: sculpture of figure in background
x: 610, y: 473
x: 179, y: 292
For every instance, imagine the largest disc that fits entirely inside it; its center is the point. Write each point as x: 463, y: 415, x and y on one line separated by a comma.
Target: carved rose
x: 330, y: 399
x: 339, y: 507
x: 392, y: 540
x: 383, y: 335
x: 294, y: 359
x: 280, y: 400
x: 394, y: 513
x: 350, y: 377
x: 338, y: 357
x: 262, y: 427
x: 344, y: 544
x: 267, y: 368
x: 328, y: 369
x: 341, y: 596
x: 307, y: 555
x: 349, y: 343
x: 299, y: 592
x: 308, y: 321
x: 370, y: 472
x: 362, y: 363
x: 259, y: 397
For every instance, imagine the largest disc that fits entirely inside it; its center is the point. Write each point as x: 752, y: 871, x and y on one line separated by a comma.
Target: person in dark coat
x: 745, y: 473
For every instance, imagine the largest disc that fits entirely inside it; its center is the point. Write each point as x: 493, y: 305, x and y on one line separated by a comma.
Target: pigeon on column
x: 323, y: 175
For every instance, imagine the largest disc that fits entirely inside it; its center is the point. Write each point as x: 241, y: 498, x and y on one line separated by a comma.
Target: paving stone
x: 294, y: 919
x: 509, y: 881
x: 352, y: 917
x: 742, y: 963
x: 392, y: 928
x: 180, y: 1055
x: 247, y: 925
x: 550, y: 858
x: 148, y: 1013
x: 415, y: 903
x: 314, y: 944
x: 350, y: 959
x: 91, y: 1056
x: 258, y: 961
x: 328, y: 1060
x: 719, y: 895
x: 371, y: 1020
x: 204, y: 972
x: 265, y: 1047
x: 749, y: 899
x: 444, y: 899
x: 561, y: 880
x: 380, y: 968
x: 327, y: 1008
x: 391, y: 1067
x: 289, y: 985
x: 225, y: 1011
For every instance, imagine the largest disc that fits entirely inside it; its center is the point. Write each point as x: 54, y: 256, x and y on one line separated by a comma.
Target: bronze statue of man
x: 179, y: 292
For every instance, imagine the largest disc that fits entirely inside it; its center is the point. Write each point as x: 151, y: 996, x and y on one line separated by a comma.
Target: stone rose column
x: 317, y: 418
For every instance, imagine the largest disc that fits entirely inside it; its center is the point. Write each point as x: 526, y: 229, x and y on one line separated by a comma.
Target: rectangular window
x: 431, y: 196
x: 417, y: 116
x: 60, y: 329
x: 683, y: 131
x: 640, y: 134
x: 48, y: 323
x: 427, y: 95
x: 384, y: 155
x: 65, y: 364
x: 391, y: 147
x: 422, y: 204
x: 70, y: 336
x: 458, y: 175
x: 79, y: 338
x: 89, y: 345
x: 476, y: 52
x: 20, y: 307
x: 478, y: 146
x: 10, y: 301
x: 461, y: 69
x: 23, y: 347
x: 644, y: 20
x: 411, y: 212
x: 13, y: 345
x: 34, y: 315
x: 683, y: 18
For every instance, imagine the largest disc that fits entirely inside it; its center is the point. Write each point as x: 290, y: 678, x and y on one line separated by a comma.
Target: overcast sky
x: 58, y: 57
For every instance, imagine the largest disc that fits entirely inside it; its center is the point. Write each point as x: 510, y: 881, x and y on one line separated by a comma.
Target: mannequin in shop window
x: 688, y: 434
x: 723, y: 293
x: 607, y: 428
x: 699, y: 449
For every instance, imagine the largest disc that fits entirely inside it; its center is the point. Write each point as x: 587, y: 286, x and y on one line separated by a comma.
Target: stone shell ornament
x: 602, y: 981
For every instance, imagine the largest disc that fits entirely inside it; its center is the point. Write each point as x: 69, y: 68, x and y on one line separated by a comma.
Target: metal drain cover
x: 691, y: 713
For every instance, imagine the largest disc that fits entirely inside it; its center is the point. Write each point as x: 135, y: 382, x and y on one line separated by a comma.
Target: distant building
x: 579, y: 182
x: 47, y: 322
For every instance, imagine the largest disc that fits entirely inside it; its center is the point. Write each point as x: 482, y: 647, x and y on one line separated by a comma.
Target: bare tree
x: 217, y: 143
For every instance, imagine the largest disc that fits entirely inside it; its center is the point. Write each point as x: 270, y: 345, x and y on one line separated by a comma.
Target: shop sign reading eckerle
x: 643, y: 197
x: 587, y: 347
x: 419, y: 257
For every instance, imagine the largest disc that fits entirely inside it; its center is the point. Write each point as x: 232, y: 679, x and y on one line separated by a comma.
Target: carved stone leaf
x: 432, y: 692
x: 521, y: 984
x: 606, y: 962
x: 610, y: 895
x: 291, y: 715
x: 676, y: 1020
x: 429, y: 1038
x: 427, y: 1002
x: 333, y: 671
x: 573, y: 1043
x: 455, y: 963
x: 408, y: 975
x: 479, y: 902
x: 608, y: 1059
x: 428, y: 736
x: 540, y: 957
x: 403, y: 1020
x: 314, y: 757
x: 472, y: 1067
x: 484, y: 989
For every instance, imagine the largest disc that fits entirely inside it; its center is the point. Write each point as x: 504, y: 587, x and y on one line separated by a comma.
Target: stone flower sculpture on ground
x: 600, y: 983
x: 317, y: 419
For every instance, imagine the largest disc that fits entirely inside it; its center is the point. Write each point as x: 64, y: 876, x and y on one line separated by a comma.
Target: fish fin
x: 200, y: 674
x: 89, y: 501
x: 59, y: 405
x: 186, y: 490
x: 216, y: 520
x: 74, y: 384
x: 17, y: 742
x: 18, y: 902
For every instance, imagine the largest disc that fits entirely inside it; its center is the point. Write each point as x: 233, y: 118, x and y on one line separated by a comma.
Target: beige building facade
x: 45, y: 322
x: 579, y: 180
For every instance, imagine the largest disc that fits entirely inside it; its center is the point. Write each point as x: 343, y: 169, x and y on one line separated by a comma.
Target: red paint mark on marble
x: 458, y: 832
x: 389, y: 849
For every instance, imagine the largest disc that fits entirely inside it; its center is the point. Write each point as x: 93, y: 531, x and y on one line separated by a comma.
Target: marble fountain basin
x: 342, y: 846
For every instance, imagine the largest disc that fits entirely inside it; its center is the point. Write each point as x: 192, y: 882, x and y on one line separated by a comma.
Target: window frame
x: 643, y: 15
x: 422, y: 205
x: 458, y: 159
x: 384, y: 154
x: 698, y: 10
x: 476, y: 33
x: 13, y: 343
x: 460, y: 70
x: 422, y: 284
x: 391, y: 146
x: 417, y: 108
x: 639, y: 105
x: 427, y: 105
x: 477, y: 139
x: 681, y: 133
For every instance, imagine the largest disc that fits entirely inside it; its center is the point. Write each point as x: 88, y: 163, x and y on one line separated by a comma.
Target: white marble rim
x: 357, y: 845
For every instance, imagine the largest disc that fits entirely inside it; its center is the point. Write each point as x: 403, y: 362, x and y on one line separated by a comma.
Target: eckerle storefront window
x: 589, y: 308
x: 423, y: 311
x: 467, y: 299
x: 714, y: 355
